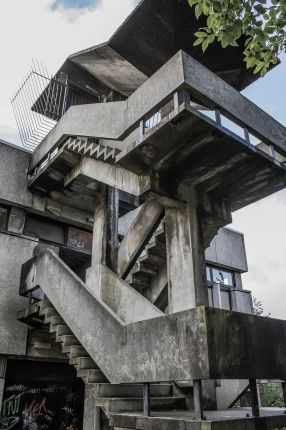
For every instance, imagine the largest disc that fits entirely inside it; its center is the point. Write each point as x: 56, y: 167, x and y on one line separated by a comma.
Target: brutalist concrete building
x: 121, y: 297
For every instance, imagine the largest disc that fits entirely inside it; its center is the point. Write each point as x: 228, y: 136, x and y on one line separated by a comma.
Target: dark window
x: 3, y: 217
x: 217, y: 275
x: 45, y: 230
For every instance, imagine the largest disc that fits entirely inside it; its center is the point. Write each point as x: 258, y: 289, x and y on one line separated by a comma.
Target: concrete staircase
x: 112, y: 398
x: 91, y: 148
x: 150, y: 261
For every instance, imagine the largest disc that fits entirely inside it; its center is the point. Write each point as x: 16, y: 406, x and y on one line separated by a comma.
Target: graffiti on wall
x: 41, y: 407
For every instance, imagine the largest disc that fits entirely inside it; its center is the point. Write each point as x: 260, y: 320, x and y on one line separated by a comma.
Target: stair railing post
x: 198, y: 399
x: 112, y: 227
x: 146, y: 400
x: 254, y: 397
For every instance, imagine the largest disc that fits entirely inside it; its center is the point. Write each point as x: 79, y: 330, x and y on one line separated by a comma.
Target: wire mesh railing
x: 41, y: 100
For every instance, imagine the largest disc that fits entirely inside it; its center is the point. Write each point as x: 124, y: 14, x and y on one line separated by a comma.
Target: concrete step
x: 152, y: 260
x: 75, y: 351
x: 68, y: 340
x: 143, y: 269
x: 44, y: 353
x: 62, y: 330
x: 43, y: 304
x: 128, y: 404
x: 91, y: 376
x: 40, y: 345
x: 48, y: 312
x: 54, y: 321
x: 133, y: 390
x: 83, y: 363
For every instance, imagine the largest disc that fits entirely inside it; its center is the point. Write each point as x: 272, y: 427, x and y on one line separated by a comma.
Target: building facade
x: 122, y: 303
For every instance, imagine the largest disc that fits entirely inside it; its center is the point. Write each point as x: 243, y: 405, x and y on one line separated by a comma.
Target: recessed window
x: 3, y: 217
x: 45, y: 230
x: 216, y: 275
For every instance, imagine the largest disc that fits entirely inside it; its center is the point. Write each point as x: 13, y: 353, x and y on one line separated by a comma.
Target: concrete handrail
x: 146, y: 351
x: 115, y: 120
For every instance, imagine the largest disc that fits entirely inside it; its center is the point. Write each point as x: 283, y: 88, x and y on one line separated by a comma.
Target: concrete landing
x: 231, y: 419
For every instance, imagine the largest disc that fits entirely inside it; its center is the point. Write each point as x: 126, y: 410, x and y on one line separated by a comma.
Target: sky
x: 50, y: 30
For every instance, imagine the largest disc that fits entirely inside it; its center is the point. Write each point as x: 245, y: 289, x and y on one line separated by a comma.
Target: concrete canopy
x: 148, y: 38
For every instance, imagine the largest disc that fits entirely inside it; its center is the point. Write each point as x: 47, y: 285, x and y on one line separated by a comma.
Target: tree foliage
x: 257, y: 307
x: 271, y: 395
x: 262, y: 22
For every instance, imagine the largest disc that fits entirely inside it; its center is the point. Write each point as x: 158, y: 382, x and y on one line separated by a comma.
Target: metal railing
x: 41, y: 101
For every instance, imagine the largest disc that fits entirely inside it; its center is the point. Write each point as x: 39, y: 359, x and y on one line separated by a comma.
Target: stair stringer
x: 153, y: 350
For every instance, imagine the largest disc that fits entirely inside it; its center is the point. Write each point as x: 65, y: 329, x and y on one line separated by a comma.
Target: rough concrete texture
x: 227, y: 249
x: 113, y: 176
x: 237, y: 419
x: 14, y: 164
x: 241, y: 301
x: 124, y: 300
x: 12, y: 333
x: 90, y: 418
x: 228, y: 391
x: 160, y: 349
x: 243, y: 346
x: 193, y: 344
x: 17, y: 218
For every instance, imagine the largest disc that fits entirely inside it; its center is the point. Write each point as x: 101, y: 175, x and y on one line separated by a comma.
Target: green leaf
x: 198, y: 42
x: 201, y: 34
x: 198, y: 10
x: 192, y: 2
x: 205, y: 45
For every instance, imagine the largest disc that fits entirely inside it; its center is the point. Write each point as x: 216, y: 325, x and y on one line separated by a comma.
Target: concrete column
x: 185, y: 258
x: 99, y: 242
x: 254, y: 397
x: 3, y: 363
x: 91, y: 415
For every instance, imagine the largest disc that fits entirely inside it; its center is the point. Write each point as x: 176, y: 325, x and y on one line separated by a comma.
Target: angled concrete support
x: 140, y: 232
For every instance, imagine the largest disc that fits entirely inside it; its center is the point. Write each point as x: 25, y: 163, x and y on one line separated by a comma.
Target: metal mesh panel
x: 40, y: 102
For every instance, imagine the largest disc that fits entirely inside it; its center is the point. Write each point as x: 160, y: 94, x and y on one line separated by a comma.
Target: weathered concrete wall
x: 14, y: 251
x: 227, y: 249
x: 14, y: 163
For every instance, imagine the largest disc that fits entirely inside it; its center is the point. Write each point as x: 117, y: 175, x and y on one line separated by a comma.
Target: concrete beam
x: 111, y: 175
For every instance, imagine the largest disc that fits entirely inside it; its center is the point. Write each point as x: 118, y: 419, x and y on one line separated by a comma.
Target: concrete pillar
x: 99, y: 242
x: 254, y: 397
x: 91, y: 414
x: 3, y: 363
x: 185, y: 258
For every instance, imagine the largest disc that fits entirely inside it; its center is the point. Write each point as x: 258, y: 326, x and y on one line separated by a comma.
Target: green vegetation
x: 261, y: 22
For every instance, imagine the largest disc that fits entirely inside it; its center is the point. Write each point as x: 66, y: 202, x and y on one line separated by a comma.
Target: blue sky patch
x: 75, y: 4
